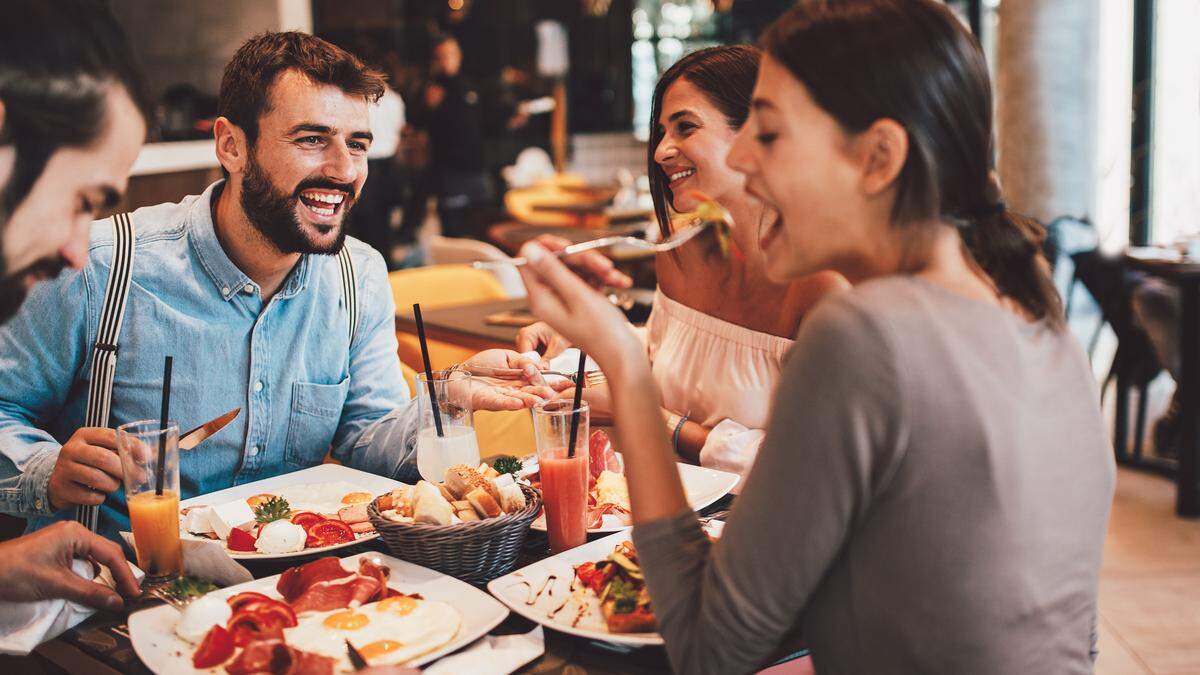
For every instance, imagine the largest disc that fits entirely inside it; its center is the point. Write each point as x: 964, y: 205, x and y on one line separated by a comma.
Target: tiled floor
x: 1150, y: 582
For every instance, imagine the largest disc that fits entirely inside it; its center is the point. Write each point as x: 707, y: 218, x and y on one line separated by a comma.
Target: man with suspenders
x: 253, y: 288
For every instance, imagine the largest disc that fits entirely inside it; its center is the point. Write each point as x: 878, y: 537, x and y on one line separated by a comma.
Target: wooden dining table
x: 466, y: 325
x: 101, y: 644
x: 1184, y: 273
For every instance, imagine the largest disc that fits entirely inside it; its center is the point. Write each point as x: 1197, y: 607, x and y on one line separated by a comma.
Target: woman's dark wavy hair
x: 725, y: 75
x: 913, y: 62
x: 58, y: 60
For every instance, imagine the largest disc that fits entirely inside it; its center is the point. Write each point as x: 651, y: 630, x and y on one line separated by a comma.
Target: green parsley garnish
x: 275, y: 508
x: 190, y: 587
x: 507, y: 464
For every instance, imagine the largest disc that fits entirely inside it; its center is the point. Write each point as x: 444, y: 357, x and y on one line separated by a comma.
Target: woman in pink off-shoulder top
x: 719, y: 328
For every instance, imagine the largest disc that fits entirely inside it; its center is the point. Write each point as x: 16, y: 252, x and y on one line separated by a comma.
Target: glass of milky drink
x: 152, y: 495
x: 439, y: 448
x: 564, y: 471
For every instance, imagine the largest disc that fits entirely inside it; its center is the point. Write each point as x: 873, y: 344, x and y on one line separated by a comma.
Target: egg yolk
x: 378, y: 648
x: 400, y: 604
x: 356, y: 498
x: 347, y: 620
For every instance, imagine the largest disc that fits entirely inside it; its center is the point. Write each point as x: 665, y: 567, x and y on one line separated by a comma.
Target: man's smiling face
x: 307, y: 166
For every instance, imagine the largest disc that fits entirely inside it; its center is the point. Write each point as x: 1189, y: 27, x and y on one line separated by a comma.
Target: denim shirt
x: 304, y: 386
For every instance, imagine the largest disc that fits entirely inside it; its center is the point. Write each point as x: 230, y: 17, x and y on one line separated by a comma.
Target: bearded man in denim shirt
x: 242, y: 286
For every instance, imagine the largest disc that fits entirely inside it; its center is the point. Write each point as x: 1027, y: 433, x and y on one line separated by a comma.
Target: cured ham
x: 601, y: 456
x: 319, y: 587
x: 296, y: 580
x: 277, y: 658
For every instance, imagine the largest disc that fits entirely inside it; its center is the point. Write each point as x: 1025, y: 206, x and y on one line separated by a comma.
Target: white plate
x: 702, y: 487
x: 152, y: 631
x: 511, y: 589
x: 322, y: 473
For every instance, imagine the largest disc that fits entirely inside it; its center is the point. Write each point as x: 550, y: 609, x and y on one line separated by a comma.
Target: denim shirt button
x: 37, y: 504
x: 249, y: 288
x: 225, y: 290
x: 252, y: 451
x: 258, y: 386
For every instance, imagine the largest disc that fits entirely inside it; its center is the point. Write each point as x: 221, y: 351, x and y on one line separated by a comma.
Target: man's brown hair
x: 246, y: 84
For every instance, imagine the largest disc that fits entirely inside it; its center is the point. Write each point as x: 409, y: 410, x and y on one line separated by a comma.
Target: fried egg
x: 389, y: 632
x: 324, y: 498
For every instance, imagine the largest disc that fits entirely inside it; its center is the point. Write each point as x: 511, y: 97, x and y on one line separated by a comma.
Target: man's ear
x: 232, y: 148
x: 884, y: 150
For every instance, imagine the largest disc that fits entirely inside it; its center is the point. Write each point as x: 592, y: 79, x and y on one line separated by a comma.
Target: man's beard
x: 12, y: 286
x: 273, y: 213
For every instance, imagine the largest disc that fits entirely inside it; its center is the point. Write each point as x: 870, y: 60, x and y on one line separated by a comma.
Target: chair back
x: 453, y: 250
x: 443, y: 286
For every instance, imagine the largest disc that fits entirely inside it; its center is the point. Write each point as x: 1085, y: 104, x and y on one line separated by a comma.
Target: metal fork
x: 166, y: 596
x: 670, y: 243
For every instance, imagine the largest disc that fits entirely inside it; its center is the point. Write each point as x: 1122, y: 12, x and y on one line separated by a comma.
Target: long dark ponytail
x: 913, y: 62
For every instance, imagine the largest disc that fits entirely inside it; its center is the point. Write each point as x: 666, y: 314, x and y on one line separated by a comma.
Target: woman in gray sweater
x: 934, y: 485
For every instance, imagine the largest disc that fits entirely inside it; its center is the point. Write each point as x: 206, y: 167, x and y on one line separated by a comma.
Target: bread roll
x: 483, y: 503
x: 446, y: 493
x: 429, y: 506
x: 512, y: 498
x: 462, y: 479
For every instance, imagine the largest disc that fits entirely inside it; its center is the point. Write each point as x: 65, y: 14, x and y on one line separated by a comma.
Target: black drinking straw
x: 433, y: 402
x: 162, y: 432
x: 580, y: 378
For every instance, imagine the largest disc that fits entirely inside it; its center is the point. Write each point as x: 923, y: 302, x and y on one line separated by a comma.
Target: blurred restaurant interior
x: 507, y: 121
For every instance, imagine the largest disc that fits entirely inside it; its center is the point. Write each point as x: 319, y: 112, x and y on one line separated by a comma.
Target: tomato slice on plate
x: 215, y: 649
x: 328, y: 532
x: 307, y: 518
x: 241, y: 540
x: 250, y: 627
x: 237, y: 602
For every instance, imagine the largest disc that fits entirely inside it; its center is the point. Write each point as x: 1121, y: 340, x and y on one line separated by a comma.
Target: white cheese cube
x: 197, y: 520
x: 225, y: 517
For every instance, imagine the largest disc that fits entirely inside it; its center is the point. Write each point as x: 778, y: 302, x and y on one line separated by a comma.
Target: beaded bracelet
x: 675, y: 434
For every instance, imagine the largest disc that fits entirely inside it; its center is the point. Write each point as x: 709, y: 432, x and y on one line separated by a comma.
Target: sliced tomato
x: 215, y: 649
x: 241, y: 599
x: 241, y: 540
x: 328, y: 532
x: 250, y: 627
x: 307, y: 518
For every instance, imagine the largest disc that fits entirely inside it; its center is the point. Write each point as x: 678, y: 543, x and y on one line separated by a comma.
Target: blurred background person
x: 449, y: 110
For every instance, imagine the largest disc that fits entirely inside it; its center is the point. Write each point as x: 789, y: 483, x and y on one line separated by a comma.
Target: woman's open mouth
x: 674, y: 179
x: 770, y: 227
x: 323, y: 206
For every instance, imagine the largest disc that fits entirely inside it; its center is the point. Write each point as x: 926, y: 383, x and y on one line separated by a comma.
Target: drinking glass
x: 153, y: 507
x: 564, y: 473
x: 457, y: 443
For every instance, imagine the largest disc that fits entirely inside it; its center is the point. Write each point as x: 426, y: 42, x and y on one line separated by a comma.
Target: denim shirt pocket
x: 316, y: 409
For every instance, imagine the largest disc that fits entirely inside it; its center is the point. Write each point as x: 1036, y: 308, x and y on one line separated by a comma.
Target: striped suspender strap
x: 349, y: 289
x: 104, y: 352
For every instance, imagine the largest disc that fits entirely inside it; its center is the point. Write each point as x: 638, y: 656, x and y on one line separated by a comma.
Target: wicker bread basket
x: 476, y: 551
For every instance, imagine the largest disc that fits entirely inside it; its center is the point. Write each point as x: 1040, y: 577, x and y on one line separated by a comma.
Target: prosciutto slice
x: 296, y: 580
x: 601, y: 456
x: 277, y: 658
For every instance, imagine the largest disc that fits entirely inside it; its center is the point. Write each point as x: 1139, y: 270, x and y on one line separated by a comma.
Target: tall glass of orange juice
x: 152, y: 494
